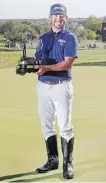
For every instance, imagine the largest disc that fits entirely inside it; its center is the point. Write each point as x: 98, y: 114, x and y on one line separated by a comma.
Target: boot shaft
x: 51, y: 146
x: 67, y: 150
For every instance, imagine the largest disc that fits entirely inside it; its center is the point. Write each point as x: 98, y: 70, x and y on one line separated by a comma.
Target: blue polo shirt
x: 52, y: 48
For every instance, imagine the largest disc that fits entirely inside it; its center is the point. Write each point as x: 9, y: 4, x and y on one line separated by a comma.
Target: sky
x: 35, y: 9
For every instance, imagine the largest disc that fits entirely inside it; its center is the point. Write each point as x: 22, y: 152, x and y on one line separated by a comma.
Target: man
x: 57, y: 50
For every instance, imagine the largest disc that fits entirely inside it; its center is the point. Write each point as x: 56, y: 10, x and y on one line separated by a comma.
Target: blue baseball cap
x: 58, y: 9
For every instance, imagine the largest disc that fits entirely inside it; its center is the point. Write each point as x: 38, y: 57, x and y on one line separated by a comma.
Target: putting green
x: 21, y: 143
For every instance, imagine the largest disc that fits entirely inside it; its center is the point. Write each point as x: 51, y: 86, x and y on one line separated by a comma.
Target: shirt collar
x: 61, y: 31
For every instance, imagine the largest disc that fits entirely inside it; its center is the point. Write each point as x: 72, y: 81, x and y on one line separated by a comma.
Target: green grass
x: 92, y: 55
x: 22, y: 146
x: 10, y: 58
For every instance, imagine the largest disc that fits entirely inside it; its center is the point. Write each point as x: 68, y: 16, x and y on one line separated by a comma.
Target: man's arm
x: 64, y: 65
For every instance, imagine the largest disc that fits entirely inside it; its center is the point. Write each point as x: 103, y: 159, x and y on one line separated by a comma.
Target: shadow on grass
x: 42, y: 177
x: 16, y: 175
x: 100, y: 63
x: 81, y: 169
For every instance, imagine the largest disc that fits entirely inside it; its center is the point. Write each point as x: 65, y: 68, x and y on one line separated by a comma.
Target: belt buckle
x: 53, y: 82
x: 56, y: 82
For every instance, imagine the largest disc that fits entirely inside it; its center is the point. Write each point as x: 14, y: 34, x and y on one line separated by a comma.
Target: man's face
x: 58, y: 21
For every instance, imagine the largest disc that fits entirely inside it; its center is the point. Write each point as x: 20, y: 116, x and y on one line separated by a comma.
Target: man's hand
x: 42, y: 69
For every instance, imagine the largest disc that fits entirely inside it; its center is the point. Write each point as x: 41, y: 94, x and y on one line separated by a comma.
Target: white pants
x: 55, y: 99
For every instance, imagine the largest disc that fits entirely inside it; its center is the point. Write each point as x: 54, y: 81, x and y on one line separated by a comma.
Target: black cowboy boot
x: 67, y: 149
x: 52, y: 153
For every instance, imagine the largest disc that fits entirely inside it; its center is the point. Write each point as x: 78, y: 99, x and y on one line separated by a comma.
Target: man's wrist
x: 48, y: 67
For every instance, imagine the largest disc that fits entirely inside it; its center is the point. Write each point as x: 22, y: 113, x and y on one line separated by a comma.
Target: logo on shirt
x: 62, y: 41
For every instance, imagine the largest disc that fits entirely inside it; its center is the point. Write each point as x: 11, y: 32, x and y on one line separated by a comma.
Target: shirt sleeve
x: 71, y: 46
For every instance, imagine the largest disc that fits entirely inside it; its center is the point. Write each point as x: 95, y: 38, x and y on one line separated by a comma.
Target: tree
x: 104, y: 19
x: 17, y: 30
x: 92, y: 35
x: 94, y: 24
x: 6, y: 27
